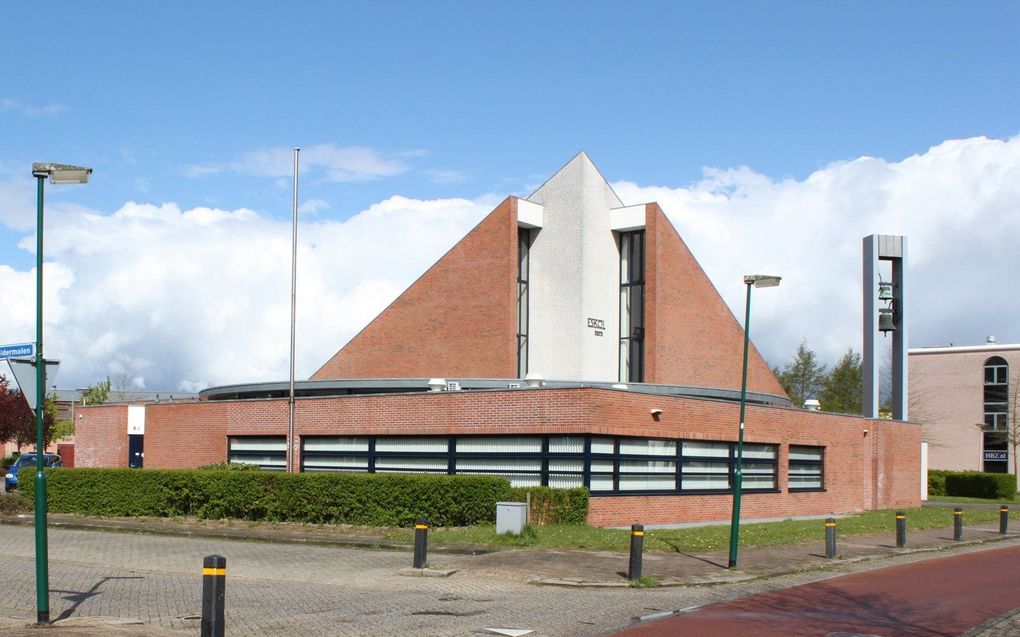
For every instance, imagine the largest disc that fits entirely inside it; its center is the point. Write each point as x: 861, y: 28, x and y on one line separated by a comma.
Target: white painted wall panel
x: 529, y: 215
x: 628, y: 219
x: 136, y: 419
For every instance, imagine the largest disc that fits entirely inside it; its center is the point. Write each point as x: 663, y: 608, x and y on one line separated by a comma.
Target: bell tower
x: 889, y: 317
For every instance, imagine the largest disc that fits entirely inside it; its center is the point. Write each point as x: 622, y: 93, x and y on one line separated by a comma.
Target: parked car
x: 50, y: 460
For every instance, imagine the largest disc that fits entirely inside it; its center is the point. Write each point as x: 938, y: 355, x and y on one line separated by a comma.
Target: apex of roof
x: 578, y: 175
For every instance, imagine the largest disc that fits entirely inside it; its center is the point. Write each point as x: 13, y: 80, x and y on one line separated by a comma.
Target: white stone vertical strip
x: 869, y: 285
x: 575, y: 277
x: 924, y: 471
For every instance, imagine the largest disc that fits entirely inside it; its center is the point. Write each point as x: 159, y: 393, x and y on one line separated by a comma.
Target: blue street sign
x: 21, y: 350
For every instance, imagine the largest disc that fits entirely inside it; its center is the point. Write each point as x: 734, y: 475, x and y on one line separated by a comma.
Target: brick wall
x: 459, y: 319
x: 877, y: 469
x: 946, y: 394
x: 692, y: 337
x: 100, y: 436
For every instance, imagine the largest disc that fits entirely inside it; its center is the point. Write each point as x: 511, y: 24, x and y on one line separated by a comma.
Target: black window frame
x: 632, y: 307
x: 616, y: 461
x: 791, y: 462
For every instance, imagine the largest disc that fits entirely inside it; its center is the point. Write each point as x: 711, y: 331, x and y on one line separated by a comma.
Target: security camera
x: 656, y: 412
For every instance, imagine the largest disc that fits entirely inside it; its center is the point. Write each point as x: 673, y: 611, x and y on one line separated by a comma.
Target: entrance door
x: 135, y: 450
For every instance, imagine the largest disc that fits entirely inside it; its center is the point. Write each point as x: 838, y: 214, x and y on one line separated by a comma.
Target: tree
x: 97, y: 394
x: 1013, y: 426
x: 802, y: 377
x: 17, y: 419
x: 13, y: 411
x: 842, y: 388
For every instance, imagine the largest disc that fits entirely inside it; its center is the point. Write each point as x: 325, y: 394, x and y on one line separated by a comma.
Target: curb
x: 277, y: 537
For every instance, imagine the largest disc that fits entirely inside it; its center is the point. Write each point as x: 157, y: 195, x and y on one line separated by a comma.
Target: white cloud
x: 30, y: 110
x: 957, y: 204
x: 183, y: 299
x: 17, y: 202
x: 313, y: 206
x: 445, y: 176
x: 328, y: 162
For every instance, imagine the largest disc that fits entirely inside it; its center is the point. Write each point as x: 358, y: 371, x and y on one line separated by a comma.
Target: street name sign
x: 21, y: 350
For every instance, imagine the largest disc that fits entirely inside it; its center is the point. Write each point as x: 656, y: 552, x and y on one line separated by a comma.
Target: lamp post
x: 758, y: 281
x: 58, y: 174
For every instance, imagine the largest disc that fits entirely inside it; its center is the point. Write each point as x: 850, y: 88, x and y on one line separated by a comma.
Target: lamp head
x: 62, y: 173
x: 762, y: 280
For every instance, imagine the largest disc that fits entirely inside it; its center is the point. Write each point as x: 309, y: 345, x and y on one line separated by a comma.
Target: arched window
x: 996, y: 398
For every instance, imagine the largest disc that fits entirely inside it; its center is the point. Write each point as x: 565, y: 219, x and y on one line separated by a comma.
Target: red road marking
x: 943, y: 597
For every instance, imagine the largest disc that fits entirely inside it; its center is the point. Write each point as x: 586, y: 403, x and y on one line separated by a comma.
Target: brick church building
x: 567, y: 340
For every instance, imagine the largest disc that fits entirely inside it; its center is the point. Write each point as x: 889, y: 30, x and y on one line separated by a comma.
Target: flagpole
x: 293, y: 317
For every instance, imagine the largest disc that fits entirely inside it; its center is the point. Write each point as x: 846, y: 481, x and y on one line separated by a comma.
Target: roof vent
x: 452, y: 385
x: 990, y: 340
x: 437, y: 384
x: 812, y: 404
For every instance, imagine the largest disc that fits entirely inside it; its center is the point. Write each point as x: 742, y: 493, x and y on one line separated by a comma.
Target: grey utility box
x: 511, y: 517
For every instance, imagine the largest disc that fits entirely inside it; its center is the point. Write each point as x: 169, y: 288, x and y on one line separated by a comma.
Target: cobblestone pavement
x: 98, y: 577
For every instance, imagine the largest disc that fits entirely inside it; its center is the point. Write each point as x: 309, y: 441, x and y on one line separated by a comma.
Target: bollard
x: 830, y: 538
x: 1003, y: 519
x: 901, y: 529
x: 957, y: 523
x: 421, y: 542
x: 214, y: 579
x: 637, y: 541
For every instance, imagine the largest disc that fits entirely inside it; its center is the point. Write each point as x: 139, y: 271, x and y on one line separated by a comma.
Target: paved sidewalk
x: 576, y: 569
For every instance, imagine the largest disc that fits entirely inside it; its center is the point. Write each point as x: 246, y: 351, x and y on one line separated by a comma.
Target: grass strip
x: 700, y: 538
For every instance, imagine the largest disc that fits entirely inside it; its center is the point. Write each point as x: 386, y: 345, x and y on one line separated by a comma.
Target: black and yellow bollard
x: 957, y: 523
x: 421, y: 543
x: 214, y: 579
x: 830, y: 538
x: 901, y: 529
x: 1003, y: 519
x: 637, y: 542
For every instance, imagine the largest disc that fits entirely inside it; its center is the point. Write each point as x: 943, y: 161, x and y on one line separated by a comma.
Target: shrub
x: 331, y: 498
x: 554, y: 506
x: 16, y: 502
x: 9, y: 460
x: 937, y: 481
x: 230, y: 466
x: 975, y: 484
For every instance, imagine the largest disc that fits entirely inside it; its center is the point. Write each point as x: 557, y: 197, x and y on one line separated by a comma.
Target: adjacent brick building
x: 567, y: 340
x: 966, y: 396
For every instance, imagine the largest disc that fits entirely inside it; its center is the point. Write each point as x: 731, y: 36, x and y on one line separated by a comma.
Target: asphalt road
x: 936, y: 598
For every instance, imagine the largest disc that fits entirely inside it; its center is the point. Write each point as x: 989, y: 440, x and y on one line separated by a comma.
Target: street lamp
x: 758, y: 281
x: 57, y: 174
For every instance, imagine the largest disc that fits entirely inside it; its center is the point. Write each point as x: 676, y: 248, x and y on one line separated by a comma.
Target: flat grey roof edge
x: 365, y: 386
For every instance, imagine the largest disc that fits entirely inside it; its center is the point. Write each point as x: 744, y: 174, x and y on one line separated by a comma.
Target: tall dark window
x: 632, y: 306
x: 523, y: 263
x: 996, y: 450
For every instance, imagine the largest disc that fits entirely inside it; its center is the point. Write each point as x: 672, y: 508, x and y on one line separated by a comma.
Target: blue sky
x: 195, y: 105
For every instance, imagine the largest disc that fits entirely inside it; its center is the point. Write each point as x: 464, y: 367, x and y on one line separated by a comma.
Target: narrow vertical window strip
x: 523, y: 268
x: 632, y: 307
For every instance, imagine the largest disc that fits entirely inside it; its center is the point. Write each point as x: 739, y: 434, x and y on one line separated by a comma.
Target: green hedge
x: 974, y: 484
x: 554, y: 506
x: 937, y: 481
x: 327, y: 498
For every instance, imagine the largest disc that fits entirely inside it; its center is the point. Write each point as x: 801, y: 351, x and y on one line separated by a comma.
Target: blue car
x: 50, y: 460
